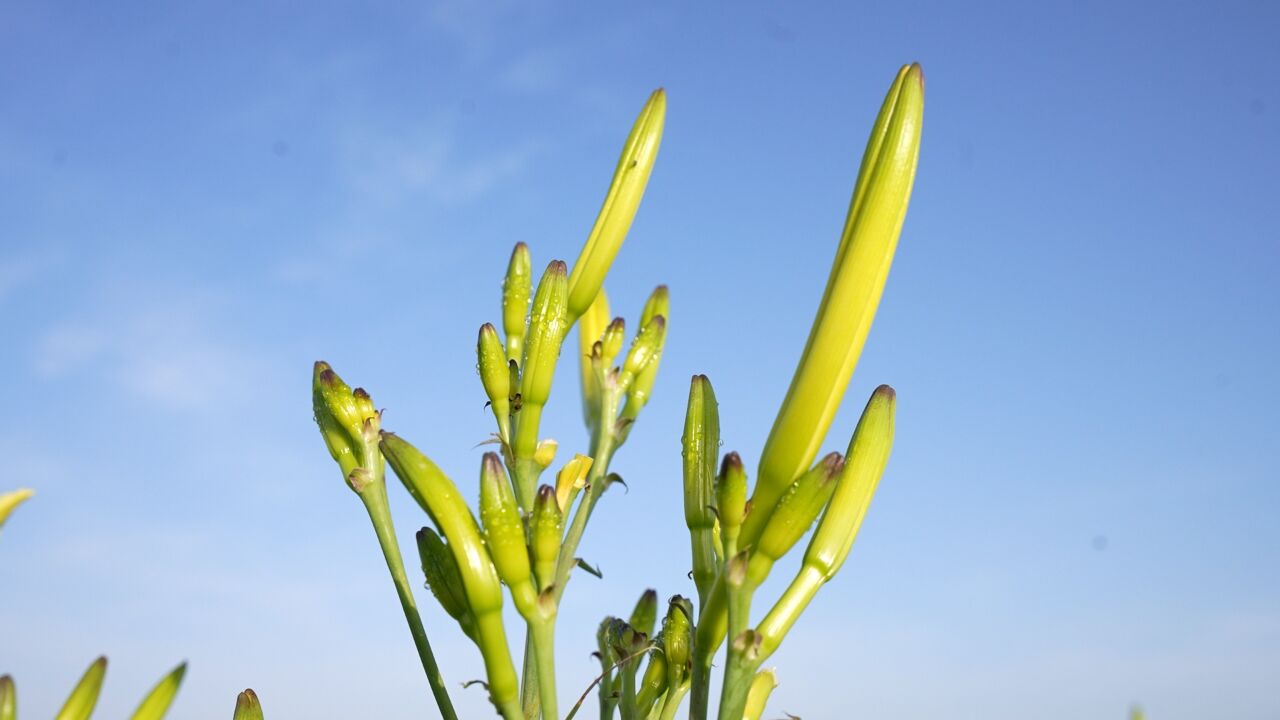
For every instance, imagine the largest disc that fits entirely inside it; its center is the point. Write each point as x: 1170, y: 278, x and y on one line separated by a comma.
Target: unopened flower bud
x: 156, y: 704
x: 677, y: 639
x: 590, y: 329
x: 348, y: 421
x: 515, y: 300
x: 799, y: 507
x: 700, y: 447
x: 548, y: 324
x: 611, y: 342
x: 545, y: 534
x: 443, y: 579
x: 248, y: 707
x: 645, y: 615
x: 731, y: 498
x: 80, y: 704
x: 659, y: 305
x: 495, y: 376
x: 11, y: 500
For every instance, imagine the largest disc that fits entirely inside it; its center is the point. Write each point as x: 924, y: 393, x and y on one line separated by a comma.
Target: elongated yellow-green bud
x: 658, y: 305
x: 548, y: 324
x: 852, y: 294
x: 645, y: 614
x: 8, y: 699
x: 571, y: 479
x: 247, y: 706
x: 677, y: 639
x: 503, y: 527
x: 620, y: 205
x: 495, y: 376
x: 444, y: 580
x: 611, y: 342
x: 84, y: 697
x: 515, y: 300
x: 701, y: 446
x: 157, y: 702
x: 11, y: 500
x: 644, y: 351
x: 731, y: 501
x: 799, y: 507
x: 590, y: 329
x: 545, y: 533
x: 652, y: 684
x: 867, y: 457
x: 348, y: 422
x: 762, y: 686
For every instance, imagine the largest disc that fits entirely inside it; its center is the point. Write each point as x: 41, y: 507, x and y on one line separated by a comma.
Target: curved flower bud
x: 798, y: 508
x: 515, y: 300
x: 645, y: 615
x: 11, y: 500
x: 248, y: 707
x: 348, y: 423
x: 8, y: 699
x: 644, y: 351
x: 611, y: 342
x: 731, y: 500
x: 80, y: 704
x: 503, y: 528
x: 658, y: 305
x: 620, y: 205
x: 677, y: 639
x: 495, y: 376
x: 545, y: 533
x: 547, y: 326
x: 444, y: 580
x: 652, y: 684
x: 700, y: 446
x: 157, y: 702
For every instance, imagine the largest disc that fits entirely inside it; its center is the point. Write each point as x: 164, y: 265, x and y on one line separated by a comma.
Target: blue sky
x: 197, y: 203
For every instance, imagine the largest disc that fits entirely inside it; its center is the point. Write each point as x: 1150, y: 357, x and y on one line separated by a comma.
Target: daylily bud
x: 645, y: 614
x: 503, y: 528
x: 611, y: 341
x: 645, y: 349
x: 80, y: 704
x: 852, y: 294
x: 547, y: 326
x: 495, y: 376
x: 571, y: 479
x: 701, y: 446
x: 652, y: 684
x: 157, y: 702
x: 604, y: 641
x: 590, y: 329
x: 348, y: 422
x: 545, y: 534
x: 762, y: 686
x: 620, y: 205
x: 11, y: 500
x: 799, y: 507
x: 515, y: 300
x: 248, y: 707
x: 444, y: 580
x: 8, y: 699
x: 677, y: 639
x: 731, y: 498
x: 658, y: 305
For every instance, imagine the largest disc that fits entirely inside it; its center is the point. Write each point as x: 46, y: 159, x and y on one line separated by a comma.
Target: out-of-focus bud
x: 571, y: 479
x: 545, y: 534
x: 611, y: 342
x: 677, y: 639
x: 762, y: 686
x: 798, y: 508
x: 248, y: 707
x: 731, y: 499
x: 8, y: 699
x: 443, y: 579
x: 515, y: 300
x: 11, y: 500
x: 652, y: 684
x: 495, y: 376
x: 852, y: 294
x: 620, y: 205
x: 157, y: 702
x: 590, y: 329
x: 544, y: 452
x: 503, y: 528
x: 348, y: 423
x: 700, y: 448
x: 658, y: 305
x: 80, y: 704
x: 645, y: 615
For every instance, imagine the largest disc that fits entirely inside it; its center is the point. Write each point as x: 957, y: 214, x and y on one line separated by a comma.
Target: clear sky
x: 1081, y: 323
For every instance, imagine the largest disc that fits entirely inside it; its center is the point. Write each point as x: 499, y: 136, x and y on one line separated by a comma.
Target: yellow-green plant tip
x: 762, y: 685
x: 867, y: 457
x: 620, y: 204
x: 1136, y: 713
x: 548, y: 324
x: 590, y: 329
x: 503, y: 527
x: 644, y: 617
x: 444, y: 580
x: 495, y: 376
x: 700, y: 446
x: 646, y: 347
x: 248, y: 707
x: 545, y: 534
x: 515, y: 300
x: 677, y: 639
x: 799, y: 507
x: 615, y: 333
x: 157, y: 702
x: 11, y: 500
x: 347, y: 419
x: 731, y: 495
x: 658, y: 305
x: 84, y: 697
x: 852, y: 294
x: 8, y: 699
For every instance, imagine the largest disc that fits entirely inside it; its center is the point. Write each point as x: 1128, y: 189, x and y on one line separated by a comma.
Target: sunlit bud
x: 620, y: 205
x: 571, y: 479
x: 545, y: 452
x: 11, y: 500
x: 503, y: 528
x: 80, y: 704
x: 444, y: 580
x: 545, y: 534
x: 677, y: 639
x: 8, y: 699
x: 515, y: 300
x: 248, y: 707
x: 852, y: 294
x: 658, y: 305
x: 348, y: 421
x: 700, y: 446
x: 548, y: 324
x: 762, y: 686
x: 590, y: 328
x: 799, y: 507
x: 645, y: 615
x: 868, y: 456
x: 731, y: 497
x: 495, y: 375
x: 157, y: 702
x: 645, y: 349
x: 611, y: 342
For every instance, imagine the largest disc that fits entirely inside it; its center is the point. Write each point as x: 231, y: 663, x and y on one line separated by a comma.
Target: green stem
x: 671, y: 705
x: 529, y: 680
x: 627, y: 704
x: 544, y: 635
x: 740, y: 667
x: 375, y: 503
